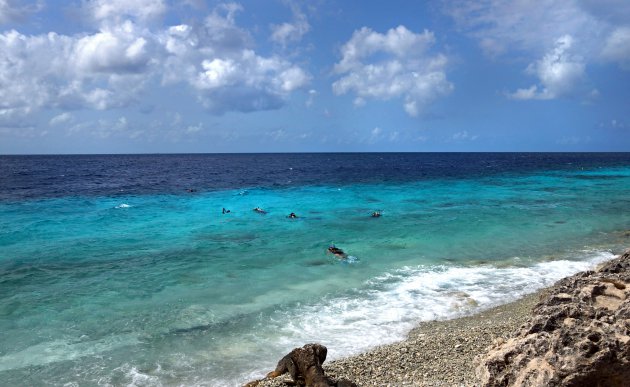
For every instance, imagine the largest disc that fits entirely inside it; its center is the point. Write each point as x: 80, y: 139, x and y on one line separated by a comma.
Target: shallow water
x: 133, y: 280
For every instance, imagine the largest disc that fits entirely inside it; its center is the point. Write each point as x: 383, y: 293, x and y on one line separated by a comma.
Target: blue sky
x: 145, y: 76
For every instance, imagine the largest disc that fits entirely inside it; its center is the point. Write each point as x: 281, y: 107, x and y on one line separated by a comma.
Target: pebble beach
x: 436, y: 353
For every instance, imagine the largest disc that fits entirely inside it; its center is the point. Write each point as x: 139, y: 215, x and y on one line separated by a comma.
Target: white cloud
x: 464, y: 136
x: 98, y: 71
x: 110, y: 68
x: 17, y: 117
x: 375, y: 135
x: 558, y: 72
x: 523, y: 94
x: 378, y: 135
x: 217, y: 60
x: 519, y: 25
x: 277, y: 135
x: 617, y: 47
x: 105, y: 128
x: 122, y: 49
x: 291, y: 32
x: 218, y: 73
x: 60, y: 119
x: 247, y: 82
x: 613, y: 124
x: 121, y: 124
x: 15, y: 11
x: 113, y: 12
x: 29, y: 71
x: 311, y: 98
x: 392, y: 65
x: 566, y: 36
x: 194, y: 128
x: 219, y: 33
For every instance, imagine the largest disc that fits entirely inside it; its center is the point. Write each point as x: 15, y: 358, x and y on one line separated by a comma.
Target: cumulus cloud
x: 567, y: 36
x: 60, y: 119
x: 396, y: 64
x: 110, y: 67
x: 501, y: 25
x: 558, y: 72
x: 119, y: 50
x: 217, y: 60
x: 617, y: 47
x: 15, y: 117
x: 113, y: 12
x: 59, y: 71
x: 15, y: 11
x: 291, y: 32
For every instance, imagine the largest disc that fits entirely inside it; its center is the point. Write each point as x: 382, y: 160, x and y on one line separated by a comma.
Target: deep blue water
x: 110, y: 175
x: 122, y: 269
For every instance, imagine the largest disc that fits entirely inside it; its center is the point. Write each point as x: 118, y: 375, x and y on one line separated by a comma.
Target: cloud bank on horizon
x: 114, y: 76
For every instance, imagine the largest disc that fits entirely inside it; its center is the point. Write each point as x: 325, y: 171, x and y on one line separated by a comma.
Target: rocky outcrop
x: 579, y: 335
x: 305, y: 367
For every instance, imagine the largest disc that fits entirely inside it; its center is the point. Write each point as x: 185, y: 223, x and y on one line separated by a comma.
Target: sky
x: 161, y: 76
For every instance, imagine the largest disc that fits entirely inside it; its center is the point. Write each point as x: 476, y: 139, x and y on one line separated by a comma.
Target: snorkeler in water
x: 225, y: 211
x: 260, y: 210
x: 337, y: 252
x: 292, y: 215
x: 376, y: 214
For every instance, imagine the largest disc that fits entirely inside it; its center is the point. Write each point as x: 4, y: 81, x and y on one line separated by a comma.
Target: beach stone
x: 304, y: 365
x: 579, y: 335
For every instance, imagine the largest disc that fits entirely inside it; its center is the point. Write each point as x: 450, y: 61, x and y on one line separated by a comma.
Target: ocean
x: 124, y: 270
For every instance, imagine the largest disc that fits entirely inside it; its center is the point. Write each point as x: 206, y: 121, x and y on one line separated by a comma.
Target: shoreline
x: 434, y: 353
x: 572, y: 331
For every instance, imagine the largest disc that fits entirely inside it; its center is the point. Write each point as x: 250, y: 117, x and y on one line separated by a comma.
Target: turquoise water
x: 164, y: 289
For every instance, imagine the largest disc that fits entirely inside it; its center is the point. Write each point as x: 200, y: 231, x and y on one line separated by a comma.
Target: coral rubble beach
x: 575, y: 332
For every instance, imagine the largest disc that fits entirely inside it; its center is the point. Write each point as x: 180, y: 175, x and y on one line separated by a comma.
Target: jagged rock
x: 305, y: 367
x: 579, y: 335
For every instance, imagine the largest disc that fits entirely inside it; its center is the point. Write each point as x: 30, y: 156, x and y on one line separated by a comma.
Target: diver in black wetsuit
x: 337, y: 251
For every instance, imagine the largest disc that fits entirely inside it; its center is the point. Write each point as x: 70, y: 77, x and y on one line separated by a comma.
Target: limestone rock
x: 579, y: 335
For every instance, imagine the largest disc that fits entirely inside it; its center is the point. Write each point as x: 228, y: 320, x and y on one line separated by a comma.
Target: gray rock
x: 579, y: 335
x: 305, y: 367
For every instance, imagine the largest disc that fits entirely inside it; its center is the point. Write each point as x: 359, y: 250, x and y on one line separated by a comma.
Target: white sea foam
x: 389, y: 306
x: 395, y: 302
x: 138, y: 378
x: 63, y: 350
